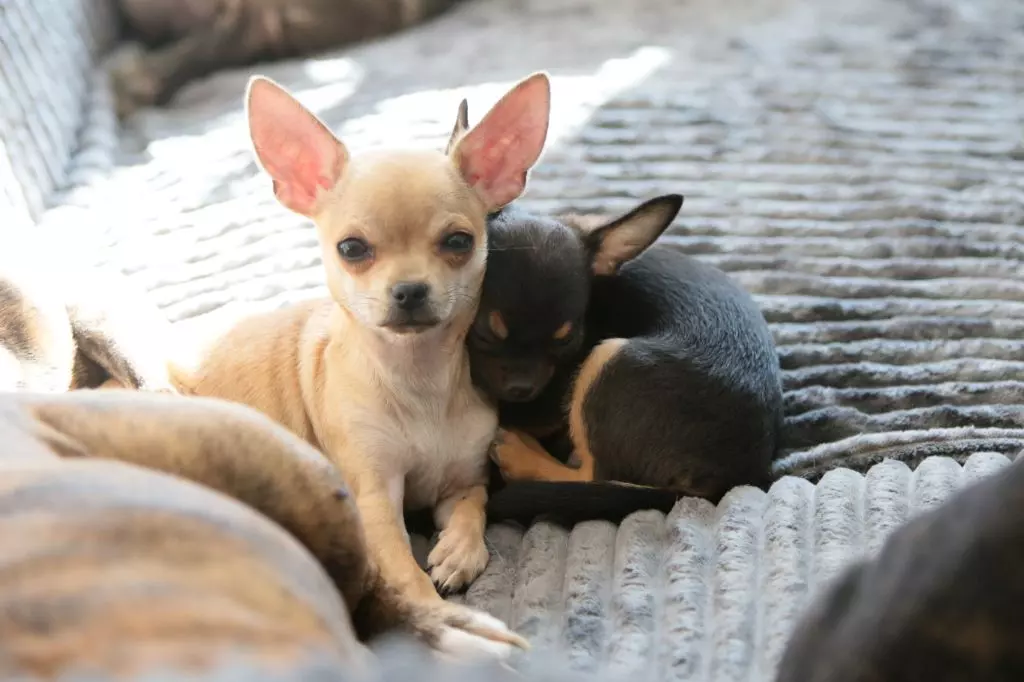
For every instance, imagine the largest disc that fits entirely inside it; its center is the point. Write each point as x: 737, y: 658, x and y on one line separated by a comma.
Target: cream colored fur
x: 387, y: 395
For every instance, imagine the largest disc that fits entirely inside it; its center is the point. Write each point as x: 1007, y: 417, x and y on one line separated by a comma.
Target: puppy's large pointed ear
x: 495, y: 156
x: 293, y: 146
x: 461, y: 126
x: 623, y: 239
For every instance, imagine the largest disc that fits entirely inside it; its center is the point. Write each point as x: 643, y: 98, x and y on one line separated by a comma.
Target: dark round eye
x: 353, y: 250
x: 457, y: 242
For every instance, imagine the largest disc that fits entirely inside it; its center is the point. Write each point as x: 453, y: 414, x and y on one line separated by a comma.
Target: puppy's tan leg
x: 521, y: 457
x: 404, y: 595
x: 460, y: 555
x: 390, y: 546
x: 588, y: 375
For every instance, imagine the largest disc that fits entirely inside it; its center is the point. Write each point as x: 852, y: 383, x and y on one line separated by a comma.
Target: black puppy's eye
x: 483, y: 342
x: 457, y: 242
x: 353, y: 250
x: 563, y: 335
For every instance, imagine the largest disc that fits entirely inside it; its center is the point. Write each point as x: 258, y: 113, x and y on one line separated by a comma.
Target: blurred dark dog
x: 177, y: 41
x: 940, y: 602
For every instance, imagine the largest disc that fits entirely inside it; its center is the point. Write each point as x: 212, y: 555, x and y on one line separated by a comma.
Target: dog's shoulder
x: 260, y: 360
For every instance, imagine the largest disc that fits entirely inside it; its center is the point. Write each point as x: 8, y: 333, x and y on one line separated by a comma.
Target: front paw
x: 457, y: 559
x: 463, y: 633
x: 513, y: 456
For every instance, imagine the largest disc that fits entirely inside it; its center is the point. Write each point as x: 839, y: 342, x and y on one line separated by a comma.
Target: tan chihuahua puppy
x: 378, y: 378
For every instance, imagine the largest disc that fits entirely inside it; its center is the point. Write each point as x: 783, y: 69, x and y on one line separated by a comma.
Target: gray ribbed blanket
x: 858, y: 166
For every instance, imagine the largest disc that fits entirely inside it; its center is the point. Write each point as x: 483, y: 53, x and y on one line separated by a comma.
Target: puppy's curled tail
x: 569, y: 503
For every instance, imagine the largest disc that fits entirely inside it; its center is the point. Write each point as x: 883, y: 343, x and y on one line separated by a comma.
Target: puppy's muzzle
x: 517, y: 381
x: 410, y: 309
x: 520, y: 390
x: 409, y: 296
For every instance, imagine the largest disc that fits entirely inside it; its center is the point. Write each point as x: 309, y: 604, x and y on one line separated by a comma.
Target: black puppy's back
x: 693, y: 400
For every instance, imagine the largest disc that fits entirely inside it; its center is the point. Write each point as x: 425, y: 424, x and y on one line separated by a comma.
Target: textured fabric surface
x: 48, y: 53
x: 858, y: 166
x: 702, y: 593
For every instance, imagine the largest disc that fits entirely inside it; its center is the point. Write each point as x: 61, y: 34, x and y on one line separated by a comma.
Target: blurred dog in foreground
x: 940, y: 602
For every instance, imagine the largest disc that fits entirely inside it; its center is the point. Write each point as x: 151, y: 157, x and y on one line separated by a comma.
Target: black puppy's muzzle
x: 514, y: 381
x: 520, y: 390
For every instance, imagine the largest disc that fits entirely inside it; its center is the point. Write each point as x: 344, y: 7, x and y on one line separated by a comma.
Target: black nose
x: 409, y: 295
x: 519, y: 392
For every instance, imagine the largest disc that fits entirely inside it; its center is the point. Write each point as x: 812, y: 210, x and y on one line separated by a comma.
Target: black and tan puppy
x: 655, y: 367
x: 940, y: 602
x: 188, y: 39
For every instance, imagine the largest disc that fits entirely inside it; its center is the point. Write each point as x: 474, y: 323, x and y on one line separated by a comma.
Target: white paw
x: 459, y: 645
x: 457, y: 559
x: 465, y: 634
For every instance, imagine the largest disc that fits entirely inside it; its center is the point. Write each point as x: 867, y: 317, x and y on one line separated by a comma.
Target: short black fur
x: 692, y: 403
x: 695, y: 397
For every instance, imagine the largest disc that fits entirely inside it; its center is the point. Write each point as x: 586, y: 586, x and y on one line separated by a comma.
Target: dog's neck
x: 434, y: 361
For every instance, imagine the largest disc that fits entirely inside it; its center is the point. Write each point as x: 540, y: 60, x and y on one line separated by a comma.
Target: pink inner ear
x: 484, y: 161
x: 297, y: 171
x: 301, y: 155
x: 495, y: 156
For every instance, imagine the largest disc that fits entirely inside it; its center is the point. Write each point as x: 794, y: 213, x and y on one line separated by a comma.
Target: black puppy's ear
x: 461, y: 126
x: 626, y: 237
